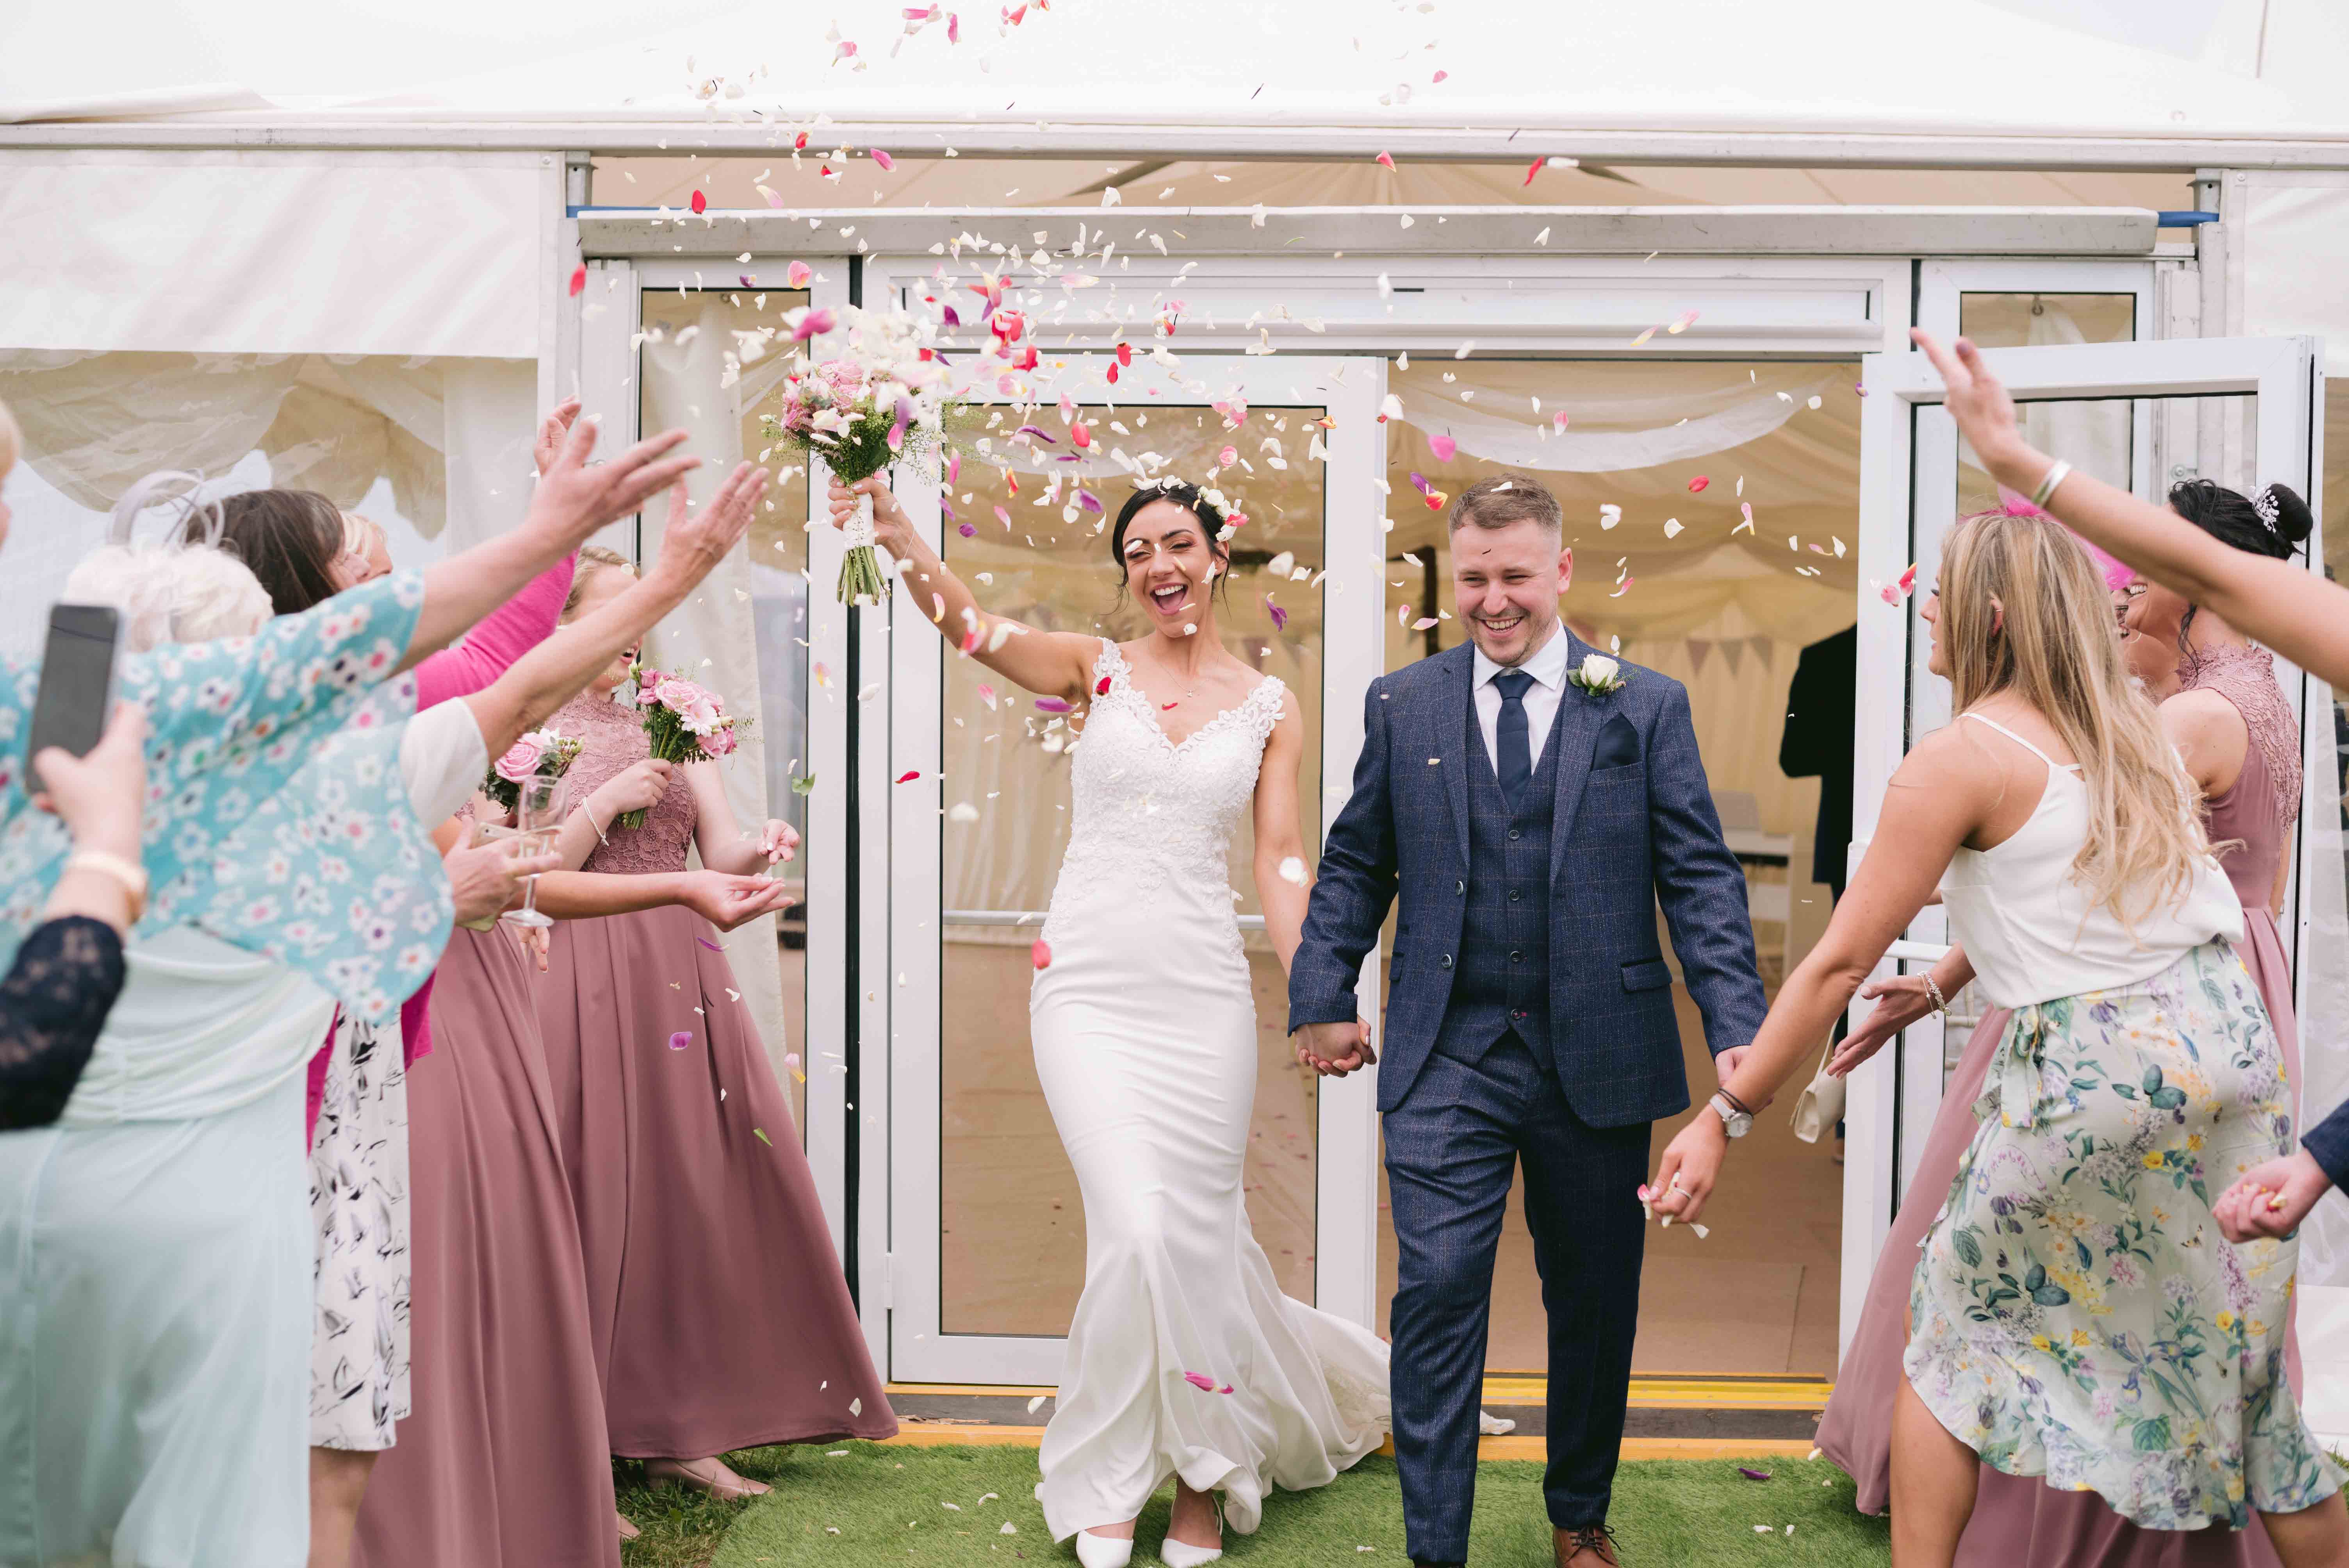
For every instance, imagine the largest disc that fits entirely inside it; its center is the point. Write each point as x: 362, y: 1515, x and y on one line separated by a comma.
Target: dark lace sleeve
x: 52, y: 1006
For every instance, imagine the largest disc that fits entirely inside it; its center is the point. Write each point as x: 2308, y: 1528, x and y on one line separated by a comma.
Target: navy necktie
x: 1515, y: 763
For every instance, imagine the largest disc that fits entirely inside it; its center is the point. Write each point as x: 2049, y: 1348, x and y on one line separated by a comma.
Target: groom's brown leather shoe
x: 1587, y: 1546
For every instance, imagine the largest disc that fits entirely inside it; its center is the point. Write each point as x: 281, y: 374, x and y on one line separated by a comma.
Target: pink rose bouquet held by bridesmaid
x: 541, y: 753
x: 684, y: 721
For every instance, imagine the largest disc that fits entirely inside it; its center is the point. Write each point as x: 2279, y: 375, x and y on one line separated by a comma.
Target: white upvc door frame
x: 1907, y: 503
x: 610, y: 382
x: 1350, y: 389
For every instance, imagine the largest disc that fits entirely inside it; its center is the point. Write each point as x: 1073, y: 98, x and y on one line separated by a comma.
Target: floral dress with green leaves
x: 2077, y: 1312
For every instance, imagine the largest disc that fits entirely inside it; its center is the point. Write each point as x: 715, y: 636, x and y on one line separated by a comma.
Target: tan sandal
x: 711, y: 1475
x: 627, y: 1531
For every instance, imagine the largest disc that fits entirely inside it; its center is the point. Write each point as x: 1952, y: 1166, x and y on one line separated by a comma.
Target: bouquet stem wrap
x: 861, y: 580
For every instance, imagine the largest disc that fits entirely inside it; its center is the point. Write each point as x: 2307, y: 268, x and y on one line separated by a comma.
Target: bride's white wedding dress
x: 1146, y: 1038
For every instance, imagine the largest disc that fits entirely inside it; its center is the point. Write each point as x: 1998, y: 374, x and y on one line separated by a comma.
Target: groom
x: 1531, y: 824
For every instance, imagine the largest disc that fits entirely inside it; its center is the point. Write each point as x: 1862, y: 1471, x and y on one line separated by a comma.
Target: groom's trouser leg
x: 1451, y: 1148
x: 1582, y: 1205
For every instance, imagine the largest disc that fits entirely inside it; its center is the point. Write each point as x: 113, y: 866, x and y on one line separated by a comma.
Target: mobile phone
x: 77, y: 681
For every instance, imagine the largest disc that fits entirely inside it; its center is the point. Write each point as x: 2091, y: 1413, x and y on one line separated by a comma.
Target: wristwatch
x: 1735, y: 1122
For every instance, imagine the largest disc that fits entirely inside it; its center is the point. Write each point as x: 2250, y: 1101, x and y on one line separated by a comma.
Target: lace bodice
x: 615, y: 740
x: 1146, y: 812
x: 52, y: 1006
x: 2246, y: 677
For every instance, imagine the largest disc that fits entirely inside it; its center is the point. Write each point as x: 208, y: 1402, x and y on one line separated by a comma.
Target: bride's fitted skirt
x: 1145, y: 1044
x: 721, y: 1319
x: 503, y: 1463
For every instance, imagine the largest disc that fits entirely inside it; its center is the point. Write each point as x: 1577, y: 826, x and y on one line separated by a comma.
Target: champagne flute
x: 537, y: 818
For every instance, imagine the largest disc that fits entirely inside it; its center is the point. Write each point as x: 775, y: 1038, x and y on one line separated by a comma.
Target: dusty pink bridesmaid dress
x: 502, y: 1464
x: 2018, y: 1520
x: 720, y: 1317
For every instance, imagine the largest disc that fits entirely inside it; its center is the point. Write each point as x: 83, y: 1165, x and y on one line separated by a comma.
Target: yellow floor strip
x: 925, y: 1435
x: 1524, y: 1388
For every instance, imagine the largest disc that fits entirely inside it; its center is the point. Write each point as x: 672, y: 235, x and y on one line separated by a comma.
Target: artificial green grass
x: 887, y: 1504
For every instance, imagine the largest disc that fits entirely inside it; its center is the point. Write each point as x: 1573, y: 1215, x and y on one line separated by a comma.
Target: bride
x: 1145, y: 1031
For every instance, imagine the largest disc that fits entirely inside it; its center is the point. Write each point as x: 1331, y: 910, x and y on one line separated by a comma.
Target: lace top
x: 1146, y: 814
x: 2259, y: 811
x: 67, y: 976
x: 614, y: 741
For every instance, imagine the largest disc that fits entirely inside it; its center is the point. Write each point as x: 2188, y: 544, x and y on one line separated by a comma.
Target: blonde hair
x: 11, y: 441
x: 592, y: 558
x: 171, y: 593
x: 2024, y: 611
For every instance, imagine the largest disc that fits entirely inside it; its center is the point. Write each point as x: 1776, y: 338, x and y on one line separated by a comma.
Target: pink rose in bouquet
x: 720, y: 742
x: 521, y: 760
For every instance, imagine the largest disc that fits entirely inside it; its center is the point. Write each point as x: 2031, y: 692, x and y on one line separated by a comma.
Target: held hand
x: 892, y: 529
x: 553, y: 432
x: 98, y: 797
x: 694, y: 543
x: 635, y: 788
x: 1333, y: 1050
x: 2272, y: 1199
x: 779, y: 841
x: 727, y: 901
x: 1976, y: 399
x: 574, y: 499
x: 1902, y: 1001
x: 1726, y: 1062
x: 1692, y: 1164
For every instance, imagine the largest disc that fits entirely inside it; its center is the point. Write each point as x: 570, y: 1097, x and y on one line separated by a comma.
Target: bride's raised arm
x: 1279, y: 839
x: 1049, y: 663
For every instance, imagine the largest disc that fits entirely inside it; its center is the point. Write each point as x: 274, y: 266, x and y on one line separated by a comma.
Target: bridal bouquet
x: 541, y: 753
x: 882, y: 401
x: 684, y: 721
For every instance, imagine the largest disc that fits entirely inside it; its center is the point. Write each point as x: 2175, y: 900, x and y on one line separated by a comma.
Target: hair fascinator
x: 155, y: 490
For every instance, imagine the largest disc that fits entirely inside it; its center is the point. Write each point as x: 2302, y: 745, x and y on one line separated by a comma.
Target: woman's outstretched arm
x: 2288, y: 608
x: 1049, y: 663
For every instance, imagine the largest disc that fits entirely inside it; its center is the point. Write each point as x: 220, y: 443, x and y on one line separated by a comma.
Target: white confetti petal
x: 1292, y: 870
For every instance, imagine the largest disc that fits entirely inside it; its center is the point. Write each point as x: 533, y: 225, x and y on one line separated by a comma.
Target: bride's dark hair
x: 1212, y: 519
x: 2274, y: 523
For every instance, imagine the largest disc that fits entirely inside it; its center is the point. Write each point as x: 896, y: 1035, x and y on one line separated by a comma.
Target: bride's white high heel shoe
x: 1183, y: 1555
x: 1103, y: 1550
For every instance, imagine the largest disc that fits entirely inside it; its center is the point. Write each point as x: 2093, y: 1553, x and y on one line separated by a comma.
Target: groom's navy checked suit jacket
x: 1634, y: 825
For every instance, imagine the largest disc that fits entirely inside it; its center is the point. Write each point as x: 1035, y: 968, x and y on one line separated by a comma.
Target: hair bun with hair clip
x: 2268, y: 509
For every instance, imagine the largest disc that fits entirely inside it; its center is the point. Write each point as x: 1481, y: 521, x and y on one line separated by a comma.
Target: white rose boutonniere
x: 1598, y: 675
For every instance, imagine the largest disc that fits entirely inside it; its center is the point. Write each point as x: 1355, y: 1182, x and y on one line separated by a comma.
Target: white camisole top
x: 2026, y: 922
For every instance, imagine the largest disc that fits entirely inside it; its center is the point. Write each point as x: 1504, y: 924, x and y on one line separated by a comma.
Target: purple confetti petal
x: 1040, y: 434
x: 1752, y: 1474
x: 710, y: 944
x: 1279, y: 616
x: 1053, y: 705
x: 681, y: 1039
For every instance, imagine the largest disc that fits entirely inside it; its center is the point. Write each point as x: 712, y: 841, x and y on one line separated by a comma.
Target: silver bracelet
x: 2056, y: 474
x: 587, y: 811
x: 1932, y: 992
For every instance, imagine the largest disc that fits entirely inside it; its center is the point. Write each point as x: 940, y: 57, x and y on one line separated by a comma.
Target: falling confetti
x: 1292, y: 870
x: 1610, y: 514
x: 963, y: 811
x: 681, y: 1039
x: 578, y: 281
x: 1752, y: 1474
x: 908, y: 776
x: 1698, y: 484
x: 1035, y: 1404
x: 1443, y: 447
x: 700, y: 203
x: 1279, y: 617
x: 710, y: 944
x: 1040, y: 955
x: 760, y: 1133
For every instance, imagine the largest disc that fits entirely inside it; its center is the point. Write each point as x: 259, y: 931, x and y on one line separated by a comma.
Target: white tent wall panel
x: 267, y: 252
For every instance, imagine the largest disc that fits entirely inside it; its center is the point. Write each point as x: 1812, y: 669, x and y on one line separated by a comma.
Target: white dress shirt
x: 1548, y: 666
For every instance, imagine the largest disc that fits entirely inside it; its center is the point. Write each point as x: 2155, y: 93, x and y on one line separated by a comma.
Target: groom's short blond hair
x: 1503, y: 501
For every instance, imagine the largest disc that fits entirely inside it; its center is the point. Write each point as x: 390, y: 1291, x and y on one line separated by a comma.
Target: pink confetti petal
x: 1052, y: 704
x: 578, y: 281
x: 1205, y: 1384
x: 700, y: 203
x: 813, y: 323
x: 797, y: 274
x: 908, y: 776
x: 1279, y: 616
x: 1443, y: 447
x: 1387, y: 158
x: 681, y: 1039
x: 886, y: 162
x: 1040, y: 955
x: 1100, y: 686
x: 968, y: 530
x: 1698, y: 483
x: 1533, y: 168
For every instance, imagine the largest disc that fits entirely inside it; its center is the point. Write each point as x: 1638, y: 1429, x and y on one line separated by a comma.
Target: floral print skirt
x: 359, y: 1207
x: 2077, y: 1312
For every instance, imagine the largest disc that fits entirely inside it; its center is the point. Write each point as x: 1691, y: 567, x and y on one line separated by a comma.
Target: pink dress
x: 502, y: 1464
x: 720, y: 1317
x: 2018, y: 1520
